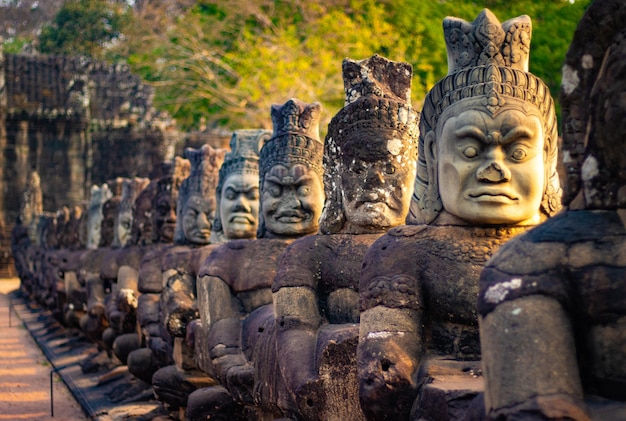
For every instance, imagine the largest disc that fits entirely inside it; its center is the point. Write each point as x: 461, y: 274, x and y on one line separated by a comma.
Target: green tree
x: 226, y: 62
x: 84, y: 27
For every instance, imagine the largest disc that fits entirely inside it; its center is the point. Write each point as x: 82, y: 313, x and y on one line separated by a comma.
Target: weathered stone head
x: 32, y: 204
x: 291, y: 172
x: 594, y: 117
x: 238, y: 187
x: 370, y: 149
x: 484, y: 128
x: 131, y: 188
x: 56, y: 238
x: 142, y: 232
x: 196, y: 198
x: 99, y: 195
x: 71, y: 235
x: 109, y: 213
x: 164, y: 203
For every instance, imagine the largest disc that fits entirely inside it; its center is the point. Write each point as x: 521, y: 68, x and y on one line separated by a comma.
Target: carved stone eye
x: 470, y: 152
x: 518, y: 154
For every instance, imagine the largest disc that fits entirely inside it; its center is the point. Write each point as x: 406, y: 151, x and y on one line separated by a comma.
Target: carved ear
x: 431, y: 201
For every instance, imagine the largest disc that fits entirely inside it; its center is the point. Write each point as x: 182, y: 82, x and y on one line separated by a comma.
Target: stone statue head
x: 142, y: 232
x: 196, y: 198
x: 594, y: 111
x: 291, y: 172
x: 109, y: 212
x: 62, y: 220
x: 32, y: 204
x: 72, y: 228
x: 370, y: 149
x: 131, y: 188
x: 165, y: 200
x: 98, y: 196
x: 238, y: 187
x: 488, y: 131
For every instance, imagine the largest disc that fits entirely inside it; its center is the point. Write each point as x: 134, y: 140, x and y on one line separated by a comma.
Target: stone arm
x: 529, y: 360
x: 298, y: 320
x: 390, y: 347
x: 223, y: 313
x: 178, y: 301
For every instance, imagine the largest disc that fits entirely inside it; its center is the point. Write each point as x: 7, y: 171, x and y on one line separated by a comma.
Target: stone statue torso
x: 434, y: 270
x: 579, y: 259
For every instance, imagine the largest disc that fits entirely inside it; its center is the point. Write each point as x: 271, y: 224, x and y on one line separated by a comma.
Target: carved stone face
x: 239, y: 206
x: 165, y: 217
x: 491, y: 170
x: 107, y: 225
x: 94, y: 223
x: 376, y: 193
x: 198, y: 215
x: 124, y: 226
x: 292, y: 200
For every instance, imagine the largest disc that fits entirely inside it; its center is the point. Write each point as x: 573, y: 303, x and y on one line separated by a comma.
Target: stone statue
x: 235, y: 201
x: 93, y: 323
x: 180, y: 264
x: 23, y: 235
x: 149, y: 283
x: 552, y: 308
x: 121, y: 254
x: 234, y: 285
x: 88, y: 260
x: 486, y: 172
x: 369, y: 161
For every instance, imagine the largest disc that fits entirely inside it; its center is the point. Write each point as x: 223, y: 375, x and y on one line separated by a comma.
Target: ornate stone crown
x: 295, y: 138
x: 203, y: 176
x: 378, y: 94
x: 244, y: 153
x: 130, y: 190
x: 171, y: 180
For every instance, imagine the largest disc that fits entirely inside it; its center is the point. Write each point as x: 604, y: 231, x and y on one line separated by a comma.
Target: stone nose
x: 493, y: 173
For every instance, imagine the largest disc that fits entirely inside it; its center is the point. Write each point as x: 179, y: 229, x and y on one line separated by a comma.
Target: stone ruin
x: 438, y: 282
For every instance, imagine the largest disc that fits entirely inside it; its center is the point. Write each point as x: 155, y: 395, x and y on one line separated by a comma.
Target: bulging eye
x: 518, y: 154
x: 304, y: 190
x: 470, y: 152
x: 390, y: 169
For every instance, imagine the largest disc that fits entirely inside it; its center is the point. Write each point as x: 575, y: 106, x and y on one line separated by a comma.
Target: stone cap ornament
x: 378, y: 93
x: 169, y: 185
x: 593, y: 115
x: 295, y: 137
x: 142, y: 231
x: 202, y: 181
x: 487, y: 69
x: 131, y: 188
x: 243, y: 156
x: 98, y: 196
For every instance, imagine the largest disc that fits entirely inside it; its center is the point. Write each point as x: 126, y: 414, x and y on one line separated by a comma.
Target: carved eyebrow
x: 471, y: 131
x: 516, y: 133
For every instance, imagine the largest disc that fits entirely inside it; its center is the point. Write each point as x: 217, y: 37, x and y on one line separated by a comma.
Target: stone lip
x: 66, y: 349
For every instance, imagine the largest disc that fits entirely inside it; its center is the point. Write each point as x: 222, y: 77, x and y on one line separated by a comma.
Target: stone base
x: 451, y: 390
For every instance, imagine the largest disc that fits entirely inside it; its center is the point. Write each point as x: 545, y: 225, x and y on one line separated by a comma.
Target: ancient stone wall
x: 76, y: 122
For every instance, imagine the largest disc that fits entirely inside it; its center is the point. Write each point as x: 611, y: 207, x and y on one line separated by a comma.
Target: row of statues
x: 410, y: 266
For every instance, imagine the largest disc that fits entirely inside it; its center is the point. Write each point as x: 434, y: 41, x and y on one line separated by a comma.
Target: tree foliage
x: 225, y: 62
x: 84, y: 27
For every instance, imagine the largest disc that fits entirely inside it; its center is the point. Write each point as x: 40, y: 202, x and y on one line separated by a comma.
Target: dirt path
x: 25, y: 373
